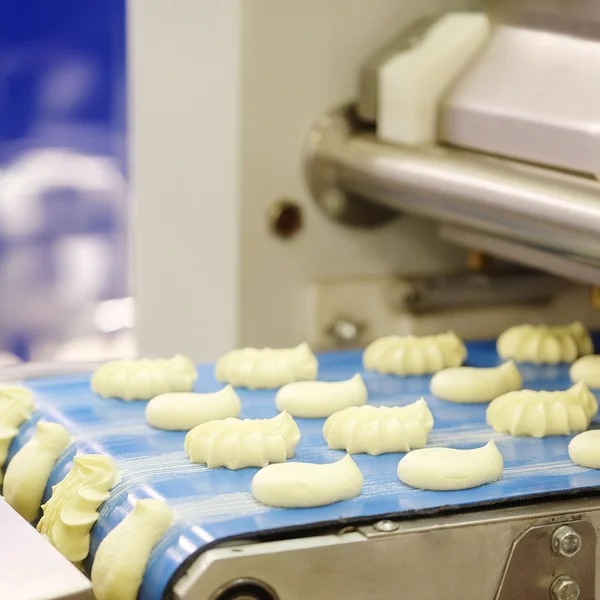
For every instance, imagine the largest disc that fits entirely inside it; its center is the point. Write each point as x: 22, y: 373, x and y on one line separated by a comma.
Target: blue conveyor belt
x: 212, y: 505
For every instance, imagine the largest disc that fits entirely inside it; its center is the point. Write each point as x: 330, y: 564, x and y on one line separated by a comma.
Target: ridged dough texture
x: 267, y: 368
x: 303, y: 485
x: 16, y: 407
x: 122, y: 556
x: 587, y: 370
x: 541, y: 344
x: 28, y: 472
x: 71, y: 512
x: 182, y: 411
x: 377, y: 430
x: 441, y: 469
x: 410, y: 355
x: 144, y: 379
x: 473, y: 384
x: 319, y: 399
x: 584, y: 449
x: 541, y: 414
x: 235, y: 443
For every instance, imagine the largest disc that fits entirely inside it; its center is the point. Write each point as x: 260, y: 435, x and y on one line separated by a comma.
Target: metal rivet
x: 565, y: 588
x: 566, y: 541
x: 285, y: 218
x: 345, y: 331
x: 386, y: 526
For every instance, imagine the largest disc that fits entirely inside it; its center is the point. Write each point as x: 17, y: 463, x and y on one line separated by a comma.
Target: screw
x: 566, y: 541
x: 387, y: 526
x: 345, y: 331
x: 565, y: 588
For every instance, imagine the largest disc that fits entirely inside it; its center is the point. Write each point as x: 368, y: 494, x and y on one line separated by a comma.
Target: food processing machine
x: 277, y: 178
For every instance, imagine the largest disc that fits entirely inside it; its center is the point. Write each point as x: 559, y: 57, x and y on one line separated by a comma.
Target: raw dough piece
x: 143, y: 379
x: 541, y: 344
x: 16, y: 406
x: 70, y: 513
x: 182, y: 411
x: 586, y: 369
x: 235, y: 443
x: 377, y: 430
x: 301, y: 485
x: 28, y: 472
x: 451, y: 469
x: 471, y: 384
x: 122, y: 556
x: 267, y: 368
x: 584, y: 449
x: 410, y: 355
x: 318, y: 399
x: 540, y: 414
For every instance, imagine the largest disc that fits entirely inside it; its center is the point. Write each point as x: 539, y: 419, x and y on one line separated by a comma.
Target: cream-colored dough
x: 16, y: 406
x: 28, y: 472
x: 584, y: 449
x: 181, y: 411
x: 541, y: 344
x: 302, y: 485
x: 71, y: 512
x: 143, y: 379
x: 122, y: 556
x: 267, y: 368
x: 377, y: 430
x: 541, y: 414
x: 319, y: 399
x: 451, y: 469
x: 235, y: 443
x: 471, y: 384
x: 410, y: 355
x: 587, y: 370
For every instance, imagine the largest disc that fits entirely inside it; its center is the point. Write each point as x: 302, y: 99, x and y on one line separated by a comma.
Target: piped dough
x: 235, y: 443
x: 587, y: 370
x: 303, y: 485
x: 16, y: 407
x: 181, y: 411
x: 143, y: 379
x: 319, y: 399
x: 541, y: 344
x: 584, y: 449
x: 377, y: 430
x: 410, y: 355
x: 71, y: 512
x: 28, y: 472
x: 267, y: 368
x: 472, y: 384
x: 441, y: 469
x: 541, y: 414
x: 122, y: 556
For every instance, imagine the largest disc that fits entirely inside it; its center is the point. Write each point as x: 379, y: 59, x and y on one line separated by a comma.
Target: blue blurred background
x: 63, y: 173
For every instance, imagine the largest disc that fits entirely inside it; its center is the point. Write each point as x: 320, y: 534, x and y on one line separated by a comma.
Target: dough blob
x: 16, y: 407
x: 28, y: 472
x: 267, y: 368
x: 450, y: 469
x: 235, y: 443
x: 122, y: 556
x: 410, y: 355
x: 377, y: 430
x: 302, y: 485
x: 318, y: 399
x: 584, y: 449
x: 587, y: 370
x: 181, y: 411
x: 143, y: 379
x: 541, y: 414
x: 541, y: 344
x: 471, y: 384
x: 71, y: 512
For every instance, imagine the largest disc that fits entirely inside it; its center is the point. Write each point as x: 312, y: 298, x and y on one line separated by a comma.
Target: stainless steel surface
x: 565, y: 588
x: 455, y: 557
x: 566, y: 541
x: 531, y: 95
x: 31, y: 568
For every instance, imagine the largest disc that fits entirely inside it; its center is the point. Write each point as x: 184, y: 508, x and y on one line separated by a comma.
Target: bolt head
x: 565, y: 588
x: 386, y: 526
x: 566, y: 541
